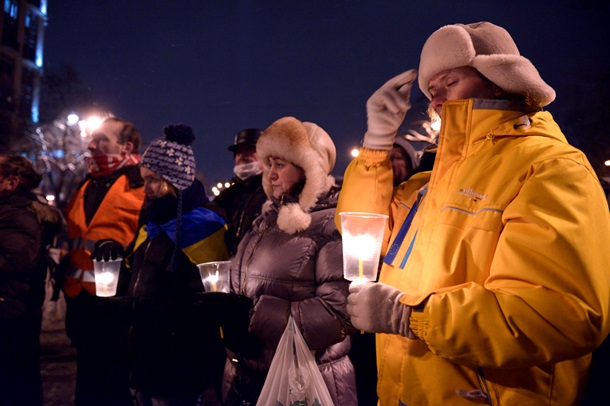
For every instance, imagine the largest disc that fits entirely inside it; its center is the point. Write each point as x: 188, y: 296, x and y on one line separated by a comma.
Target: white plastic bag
x: 294, y: 378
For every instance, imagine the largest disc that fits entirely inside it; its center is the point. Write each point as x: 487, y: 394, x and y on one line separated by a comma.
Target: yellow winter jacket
x: 508, y: 258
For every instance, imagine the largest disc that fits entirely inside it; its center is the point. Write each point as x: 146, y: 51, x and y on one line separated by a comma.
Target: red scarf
x: 105, y: 164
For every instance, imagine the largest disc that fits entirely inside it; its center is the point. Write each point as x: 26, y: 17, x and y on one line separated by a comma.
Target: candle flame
x: 363, y: 246
x: 105, y: 278
x: 213, y: 279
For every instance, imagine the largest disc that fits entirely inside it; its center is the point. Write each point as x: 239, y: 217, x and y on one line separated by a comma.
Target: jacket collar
x: 469, y: 121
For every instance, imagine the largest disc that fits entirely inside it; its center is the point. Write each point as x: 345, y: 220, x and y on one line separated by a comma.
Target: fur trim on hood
x: 307, y: 146
x: 489, y: 49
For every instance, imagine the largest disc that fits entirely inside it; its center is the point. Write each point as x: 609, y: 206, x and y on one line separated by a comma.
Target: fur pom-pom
x: 180, y: 133
x: 291, y: 218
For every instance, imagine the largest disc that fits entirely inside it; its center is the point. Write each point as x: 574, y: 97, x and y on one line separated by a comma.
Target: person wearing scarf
x: 174, y: 355
x: 243, y: 200
x: 102, y: 218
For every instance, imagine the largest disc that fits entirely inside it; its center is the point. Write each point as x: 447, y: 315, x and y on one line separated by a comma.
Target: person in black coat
x: 174, y: 352
x: 27, y: 227
x: 243, y: 200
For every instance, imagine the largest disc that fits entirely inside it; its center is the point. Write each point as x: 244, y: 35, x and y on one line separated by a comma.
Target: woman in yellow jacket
x: 495, y: 286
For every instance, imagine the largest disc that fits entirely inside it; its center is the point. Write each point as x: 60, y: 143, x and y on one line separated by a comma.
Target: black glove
x: 235, y: 324
x: 224, y: 308
x: 106, y: 250
x: 58, y: 276
x: 231, y: 312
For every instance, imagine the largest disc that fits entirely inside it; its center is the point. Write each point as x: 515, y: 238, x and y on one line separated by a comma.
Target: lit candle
x: 360, y: 251
x: 213, y: 279
x: 105, y: 279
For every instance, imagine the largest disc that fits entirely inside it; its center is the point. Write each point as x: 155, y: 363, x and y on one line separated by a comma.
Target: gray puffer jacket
x: 299, y: 274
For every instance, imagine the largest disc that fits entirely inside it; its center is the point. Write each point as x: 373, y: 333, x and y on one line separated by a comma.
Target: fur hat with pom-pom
x: 172, y: 156
x: 489, y: 49
x: 308, y: 147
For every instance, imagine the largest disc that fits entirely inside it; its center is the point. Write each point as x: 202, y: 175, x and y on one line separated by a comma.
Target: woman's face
x: 283, y: 176
x: 154, y: 185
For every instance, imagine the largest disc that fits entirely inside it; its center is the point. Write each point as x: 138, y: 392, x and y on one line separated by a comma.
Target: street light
x: 436, y: 124
x: 72, y: 119
x: 89, y: 125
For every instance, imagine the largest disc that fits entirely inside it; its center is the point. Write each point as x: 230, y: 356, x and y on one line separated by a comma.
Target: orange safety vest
x: 116, y: 218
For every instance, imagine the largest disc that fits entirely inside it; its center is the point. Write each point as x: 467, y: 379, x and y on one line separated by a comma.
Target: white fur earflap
x: 515, y: 75
x: 291, y: 218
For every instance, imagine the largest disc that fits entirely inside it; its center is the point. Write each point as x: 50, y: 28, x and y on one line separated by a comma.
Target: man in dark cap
x: 243, y: 200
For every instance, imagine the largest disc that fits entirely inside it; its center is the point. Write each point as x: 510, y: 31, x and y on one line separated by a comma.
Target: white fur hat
x: 489, y: 49
x: 307, y: 146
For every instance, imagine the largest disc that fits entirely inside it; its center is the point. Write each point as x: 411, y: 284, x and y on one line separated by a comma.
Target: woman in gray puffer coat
x: 290, y: 263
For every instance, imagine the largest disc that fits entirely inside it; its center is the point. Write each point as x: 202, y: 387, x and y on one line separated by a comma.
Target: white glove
x: 386, y: 110
x: 374, y: 308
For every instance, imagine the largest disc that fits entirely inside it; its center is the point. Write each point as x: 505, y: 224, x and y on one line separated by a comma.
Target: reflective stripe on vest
x: 83, y: 243
x: 85, y: 276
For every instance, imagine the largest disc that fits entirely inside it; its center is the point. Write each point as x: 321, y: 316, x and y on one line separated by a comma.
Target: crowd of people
x: 494, y: 284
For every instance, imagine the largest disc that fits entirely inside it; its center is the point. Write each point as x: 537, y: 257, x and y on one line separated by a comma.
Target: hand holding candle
x: 216, y: 278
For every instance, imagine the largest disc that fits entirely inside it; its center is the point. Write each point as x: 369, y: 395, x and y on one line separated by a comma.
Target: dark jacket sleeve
x: 20, y: 240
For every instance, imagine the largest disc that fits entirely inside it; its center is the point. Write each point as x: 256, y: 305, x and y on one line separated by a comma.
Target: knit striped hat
x: 172, y: 156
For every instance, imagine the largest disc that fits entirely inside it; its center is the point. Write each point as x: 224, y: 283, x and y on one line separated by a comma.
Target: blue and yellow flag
x: 202, y: 235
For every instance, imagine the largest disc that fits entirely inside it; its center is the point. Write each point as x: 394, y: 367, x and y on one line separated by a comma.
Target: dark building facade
x: 22, y: 25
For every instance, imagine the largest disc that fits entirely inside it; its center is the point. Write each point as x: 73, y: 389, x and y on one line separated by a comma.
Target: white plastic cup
x: 106, y: 276
x: 362, y: 235
x: 215, y: 276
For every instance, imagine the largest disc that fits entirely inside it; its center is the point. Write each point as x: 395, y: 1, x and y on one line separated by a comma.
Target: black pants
x: 101, y: 363
x: 362, y: 355
x: 245, y: 388
x: 20, y: 382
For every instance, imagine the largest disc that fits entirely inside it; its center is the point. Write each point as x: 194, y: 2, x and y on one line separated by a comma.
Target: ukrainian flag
x: 202, y: 235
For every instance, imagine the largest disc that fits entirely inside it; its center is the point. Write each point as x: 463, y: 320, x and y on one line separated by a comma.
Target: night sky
x: 221, y: 66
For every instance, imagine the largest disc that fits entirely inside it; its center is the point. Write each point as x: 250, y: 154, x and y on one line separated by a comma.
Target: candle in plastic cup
x: 362, y: 235
x: 106, y: 276
x: 215, y: 276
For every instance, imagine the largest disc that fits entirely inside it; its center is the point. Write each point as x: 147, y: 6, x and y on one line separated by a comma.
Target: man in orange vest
x: 102, y: 218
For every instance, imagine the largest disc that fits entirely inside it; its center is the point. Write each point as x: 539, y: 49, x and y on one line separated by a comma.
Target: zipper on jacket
x: 241, y: 218
x: 477, y: 394
x: 243, y: 285
x: 402, y: 232
x: 135, y: 285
